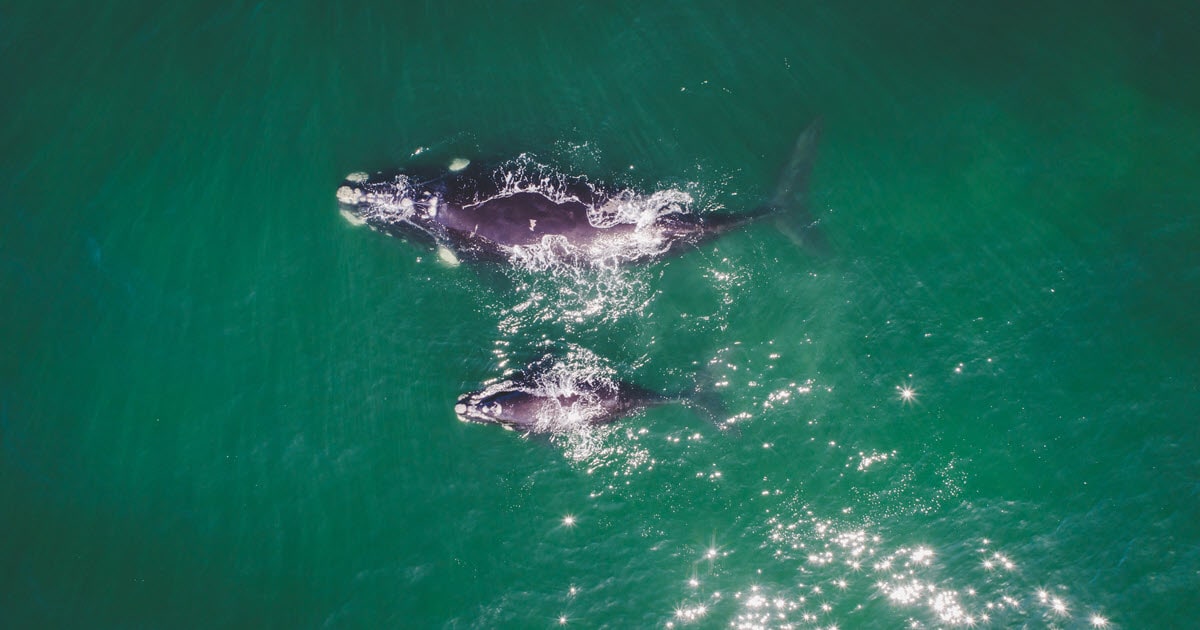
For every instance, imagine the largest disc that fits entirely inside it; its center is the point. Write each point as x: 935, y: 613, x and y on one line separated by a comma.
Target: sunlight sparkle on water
x: 922, y: 555
x: 689, y: 614
x: 568, y: 521
x: 907, y: 393
x: 911, y: 579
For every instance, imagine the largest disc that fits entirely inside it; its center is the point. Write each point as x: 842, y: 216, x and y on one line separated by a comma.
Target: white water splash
x: 580, y: 377
x: 606, y: 211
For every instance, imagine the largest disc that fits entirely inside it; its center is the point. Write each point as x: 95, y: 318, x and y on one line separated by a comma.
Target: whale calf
x: 489, y: 213
x: 557, y: 395
x: 528, y: 404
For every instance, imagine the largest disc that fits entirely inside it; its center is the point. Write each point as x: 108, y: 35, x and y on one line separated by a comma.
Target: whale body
x: 492, y: 213
x: 527, y: 404
x: 567, y: 394
x: 549, y: 397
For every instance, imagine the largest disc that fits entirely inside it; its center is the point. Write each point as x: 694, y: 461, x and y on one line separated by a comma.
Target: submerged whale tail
x: 789, y: 205
x: 703, y: 400
x: 708, y: 404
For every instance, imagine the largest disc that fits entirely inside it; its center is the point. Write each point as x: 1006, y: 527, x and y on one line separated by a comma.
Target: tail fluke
x: 793, y: 215
x: 704, y: 400
x: 709, y: 405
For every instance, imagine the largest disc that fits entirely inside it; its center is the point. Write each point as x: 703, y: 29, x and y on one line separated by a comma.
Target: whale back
x: 522, y: 218
x: 528, y: 406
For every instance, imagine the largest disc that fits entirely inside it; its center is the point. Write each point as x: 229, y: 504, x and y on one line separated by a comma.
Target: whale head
x: 504, y: 404
x: 390, y: 203
x: 362, y: 198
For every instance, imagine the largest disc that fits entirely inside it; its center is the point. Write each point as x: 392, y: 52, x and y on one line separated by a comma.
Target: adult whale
x: 492, y: 213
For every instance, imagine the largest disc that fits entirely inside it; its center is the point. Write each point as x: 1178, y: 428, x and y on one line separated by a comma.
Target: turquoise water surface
x: 222, y: 405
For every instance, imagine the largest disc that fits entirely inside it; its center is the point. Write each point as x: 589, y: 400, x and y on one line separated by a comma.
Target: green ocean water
x: 222, y: 405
